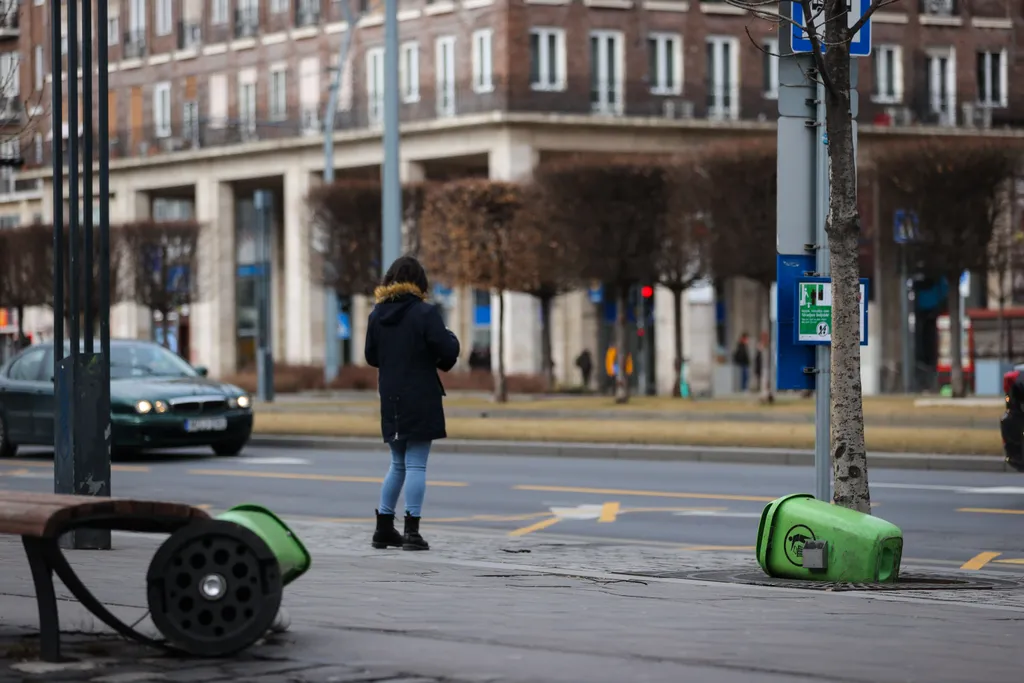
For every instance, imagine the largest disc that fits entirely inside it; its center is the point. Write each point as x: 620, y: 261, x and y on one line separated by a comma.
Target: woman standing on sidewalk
x: 407, y: 341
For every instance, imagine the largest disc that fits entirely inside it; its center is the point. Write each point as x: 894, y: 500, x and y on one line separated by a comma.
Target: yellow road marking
x: 1014, y: 561
x: 649, y: 494
x: 979, y: 561
x: 992, y: 511
x: 542, y: 524
x: 609, y: 511
x: 204, y: 506
x: 44, y: 463
x: 309, y: 477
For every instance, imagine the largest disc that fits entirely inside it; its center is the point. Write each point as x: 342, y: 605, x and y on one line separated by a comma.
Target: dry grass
x: 690, y: 433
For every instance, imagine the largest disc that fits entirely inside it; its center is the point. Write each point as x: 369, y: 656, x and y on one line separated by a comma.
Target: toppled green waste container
x: 800, y: 537
x: 291, y: 554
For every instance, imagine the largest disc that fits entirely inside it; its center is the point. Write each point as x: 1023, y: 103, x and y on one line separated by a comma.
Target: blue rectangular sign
x: 860, y: 46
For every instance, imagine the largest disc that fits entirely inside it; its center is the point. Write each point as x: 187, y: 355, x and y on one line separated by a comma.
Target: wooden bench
x: 213, y: 587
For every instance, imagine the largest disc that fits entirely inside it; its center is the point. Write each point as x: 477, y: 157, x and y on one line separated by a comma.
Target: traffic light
x: 647, y: 291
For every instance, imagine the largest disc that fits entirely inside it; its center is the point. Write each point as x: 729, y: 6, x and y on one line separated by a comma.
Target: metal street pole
x: 82, y: 378
x: 333, y: 360
x: 391, y: 195
x: 908, y: 359
x: 822, y: 388
x: 265, y: 351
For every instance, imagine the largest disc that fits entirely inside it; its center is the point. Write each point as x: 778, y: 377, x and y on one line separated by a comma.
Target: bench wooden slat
x: 47, y: 515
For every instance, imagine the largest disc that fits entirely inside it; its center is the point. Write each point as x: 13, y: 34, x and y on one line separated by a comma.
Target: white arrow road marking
x: 715, y: 513
x: 578, y: 512
x: 256, y: 460
x: 991, y: 490
x: 996, y: 490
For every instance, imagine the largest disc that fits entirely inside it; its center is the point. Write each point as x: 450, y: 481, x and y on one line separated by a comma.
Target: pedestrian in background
x: 407, y: 341
x: 585, y: 362
x: 741, y: 357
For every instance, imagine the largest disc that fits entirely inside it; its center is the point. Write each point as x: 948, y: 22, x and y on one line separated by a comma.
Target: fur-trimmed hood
x: 391, y: 292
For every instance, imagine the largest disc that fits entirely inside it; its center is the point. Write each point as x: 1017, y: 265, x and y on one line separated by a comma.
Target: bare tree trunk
x: 767, y: 395
x: 165, y: 326
x: 956, y: 366
x: 849, y: 454
x: 500, y: 385
x: 20, y: 310
x: 547, y: 362
x: 621, y: 352
x: 677, y: 324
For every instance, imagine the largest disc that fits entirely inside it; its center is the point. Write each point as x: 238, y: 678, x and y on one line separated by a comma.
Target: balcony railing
x: 190, y: 34
x: 307, y: 13
x: 247, y: 22
x: 134, y: 44
x: 364, y: 112
x: 939, y: 8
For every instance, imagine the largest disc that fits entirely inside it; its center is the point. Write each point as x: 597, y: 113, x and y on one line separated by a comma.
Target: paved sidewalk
x: 486, y: 607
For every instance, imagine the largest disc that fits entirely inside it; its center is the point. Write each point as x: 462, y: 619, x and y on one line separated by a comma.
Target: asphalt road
x: 949, y: 519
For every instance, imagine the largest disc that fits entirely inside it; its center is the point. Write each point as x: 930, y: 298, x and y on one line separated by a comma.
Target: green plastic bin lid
x: 767, y: 523
x: 296, y: 559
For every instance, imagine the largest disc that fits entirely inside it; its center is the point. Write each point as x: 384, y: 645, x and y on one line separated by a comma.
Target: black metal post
x: 263, y: 205
x: 82, y: 377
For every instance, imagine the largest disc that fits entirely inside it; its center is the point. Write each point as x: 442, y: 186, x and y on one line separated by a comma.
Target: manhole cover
x: 908, y: 581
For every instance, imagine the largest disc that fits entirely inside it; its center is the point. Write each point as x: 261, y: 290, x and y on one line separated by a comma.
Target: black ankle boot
x: 413, y: 540
x: 386, y: 534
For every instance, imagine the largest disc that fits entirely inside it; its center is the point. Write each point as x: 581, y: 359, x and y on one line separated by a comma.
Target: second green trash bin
x: 858, y: 548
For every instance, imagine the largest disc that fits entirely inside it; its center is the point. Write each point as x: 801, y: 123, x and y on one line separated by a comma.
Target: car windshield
x: 144, y: 360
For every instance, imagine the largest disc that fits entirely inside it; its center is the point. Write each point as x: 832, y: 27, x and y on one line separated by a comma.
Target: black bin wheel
x: 213, y: 588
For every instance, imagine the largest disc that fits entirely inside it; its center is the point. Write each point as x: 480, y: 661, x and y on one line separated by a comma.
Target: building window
x: 409, y: 72
x: 941, y: 73
x: 445, y: 72
x: 113, y: 29
x: 164, y: 17
x: 606, y: 67
x: 278, y: 6
x: 137, y: 20
x: 665, y: 63
x: 219, y: 15
x: 770, y: 68
x: 39, y: 67
x: 162, y: 110
x: 723, y: 77
x: 38, y: 147
x: 992, y: 79
x: 483, y: 68
x: 375, y: 84
x: 309, y: 93
x: 247, y: 100
x: 278, y: 94
x: 888, y: 74
x: 9, y: 150
x: 190, y: 121
x: 547, y: 59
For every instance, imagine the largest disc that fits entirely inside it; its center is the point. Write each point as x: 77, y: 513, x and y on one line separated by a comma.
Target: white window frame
x: 219, y: 12
x: 770, y: 47
x: 309, y: 94
x: 248, y: 103
x: 718, y: 109
x: 611, y: 94
x: 137, y: 16
x: 162, y: 109
x: 444, y: 73
x: 113, y: 29
x: 946, y: 111
x: 483, y: 60
x: 548, y: 81
x: 219, y: 97
x: 661, y: 41
x: 277, y: 93
x: 375, y: 85
x: 885, y: 55
x: 39, y: 68
x: 1003, y: 79
x: 409, y: 72
x: 190, y: 120
x: 278, y: 6
x: 164, y: 18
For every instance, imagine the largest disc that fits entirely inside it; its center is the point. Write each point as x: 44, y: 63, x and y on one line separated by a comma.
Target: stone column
x: 129, y: 320
x: 304, y: 312
x: 214, y: 333
x: 512, y: 159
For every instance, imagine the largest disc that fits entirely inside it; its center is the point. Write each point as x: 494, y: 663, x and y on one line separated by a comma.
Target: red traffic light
x: 647, y: 291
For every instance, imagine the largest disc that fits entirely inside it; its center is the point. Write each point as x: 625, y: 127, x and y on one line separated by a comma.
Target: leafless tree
x: 959, y: 190
x: 26, y: 269
x: 158, y: 262
x: 612, y: 209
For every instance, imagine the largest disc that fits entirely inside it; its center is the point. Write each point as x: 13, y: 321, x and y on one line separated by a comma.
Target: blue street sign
x: 860, y: 46
x: 596, y: 293
x: 905, y: 226
x: 344, y: 328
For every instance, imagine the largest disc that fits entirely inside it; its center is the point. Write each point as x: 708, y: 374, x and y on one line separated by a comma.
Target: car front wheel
x: 228, y: 448
x: 7, y: 449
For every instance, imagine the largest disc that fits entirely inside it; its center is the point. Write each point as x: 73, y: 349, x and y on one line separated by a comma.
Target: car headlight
x: 160, y: 407
x: 143, y: 407
x: 244, y: 401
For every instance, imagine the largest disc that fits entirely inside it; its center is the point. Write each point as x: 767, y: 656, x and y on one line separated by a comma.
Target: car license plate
x: 213, y: 424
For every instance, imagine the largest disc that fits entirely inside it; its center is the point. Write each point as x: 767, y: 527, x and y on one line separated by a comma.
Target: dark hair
x: 407, y: 269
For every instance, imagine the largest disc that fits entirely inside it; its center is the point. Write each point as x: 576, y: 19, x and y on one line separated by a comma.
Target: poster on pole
x: 814, y: 311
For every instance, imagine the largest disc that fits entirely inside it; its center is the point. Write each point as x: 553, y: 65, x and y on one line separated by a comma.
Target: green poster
x: 814, y: 312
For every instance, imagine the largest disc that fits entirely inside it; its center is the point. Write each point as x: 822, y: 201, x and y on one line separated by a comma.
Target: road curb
x: 757, y: 456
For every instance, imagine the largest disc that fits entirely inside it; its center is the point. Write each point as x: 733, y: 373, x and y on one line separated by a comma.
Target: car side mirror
x: 202, y: 370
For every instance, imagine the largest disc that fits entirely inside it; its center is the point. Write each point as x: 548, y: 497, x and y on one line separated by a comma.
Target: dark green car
x: 157, y: 400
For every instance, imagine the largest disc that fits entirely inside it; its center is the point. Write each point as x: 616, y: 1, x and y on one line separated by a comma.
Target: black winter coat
x: 406, y: 339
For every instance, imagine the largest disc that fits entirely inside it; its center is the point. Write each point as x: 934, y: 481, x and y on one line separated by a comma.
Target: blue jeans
x: 406, y: 457
x: 744, y: 377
